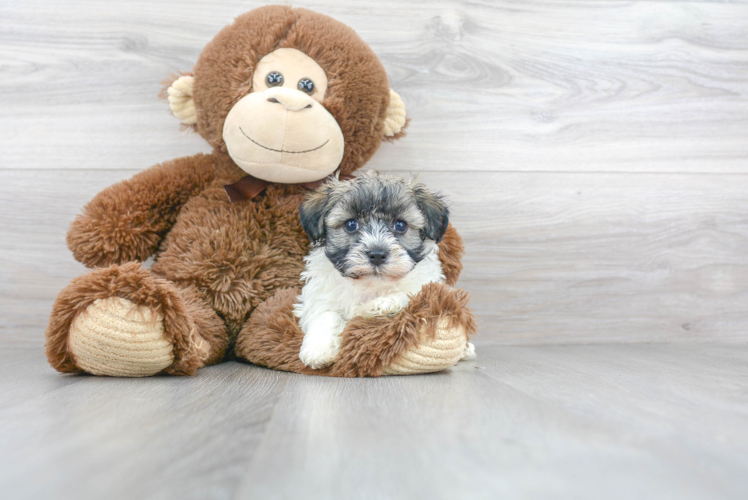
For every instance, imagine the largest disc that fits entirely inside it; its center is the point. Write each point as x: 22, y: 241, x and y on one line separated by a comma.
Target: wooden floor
x: 595, y: 155
x: 579, y: 422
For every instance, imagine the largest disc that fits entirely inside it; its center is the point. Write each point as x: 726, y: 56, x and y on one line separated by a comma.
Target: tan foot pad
x: 118, y: 338
x: 439, y: 353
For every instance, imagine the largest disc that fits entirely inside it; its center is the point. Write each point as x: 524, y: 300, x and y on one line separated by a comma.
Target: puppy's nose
x: 377, y: 256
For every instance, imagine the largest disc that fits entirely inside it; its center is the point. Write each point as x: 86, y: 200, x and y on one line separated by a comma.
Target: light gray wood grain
x: 581, y: 422
x: 490, y: 85
x: 551, y: 258
x: 117, y: 438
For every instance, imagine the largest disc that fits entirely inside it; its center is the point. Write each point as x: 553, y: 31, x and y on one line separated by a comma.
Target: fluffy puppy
x: 373, y: 243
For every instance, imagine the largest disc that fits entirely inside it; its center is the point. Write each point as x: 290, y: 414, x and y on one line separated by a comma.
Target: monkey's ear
x: 180, y: 99
x: 395, y: 121
x: 313, y: 212
x: 435, y: 211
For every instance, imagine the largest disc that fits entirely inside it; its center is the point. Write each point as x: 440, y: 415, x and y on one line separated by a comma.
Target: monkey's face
x: 290, y: 95
x: 280, y: 132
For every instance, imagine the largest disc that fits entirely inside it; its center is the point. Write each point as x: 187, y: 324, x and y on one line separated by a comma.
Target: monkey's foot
x: 123, y: 321
x: 433, y: 353
x: 116, y: 337
x: 430, y: 334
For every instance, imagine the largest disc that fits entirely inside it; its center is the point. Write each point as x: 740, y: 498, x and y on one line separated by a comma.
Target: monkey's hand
x: 387, y: 306
x: 127, y: 221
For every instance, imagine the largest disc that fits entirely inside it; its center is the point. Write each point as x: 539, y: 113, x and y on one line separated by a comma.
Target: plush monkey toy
x: 286, y: 97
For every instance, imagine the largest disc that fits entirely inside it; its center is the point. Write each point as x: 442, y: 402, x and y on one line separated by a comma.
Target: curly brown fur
x: 451, y: 250
x: 208, y: 325
x: 272, y: 336
x: 236, y: 254
x: 357, y: 90
x: 127, y: 221
x: 182, y: 318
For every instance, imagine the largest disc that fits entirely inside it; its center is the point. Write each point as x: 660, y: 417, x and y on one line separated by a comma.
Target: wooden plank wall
x: 595, y: 153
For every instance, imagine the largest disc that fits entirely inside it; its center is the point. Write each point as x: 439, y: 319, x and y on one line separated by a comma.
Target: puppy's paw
x: 384, y: 306
x: 317, y: 355
x: 469, y: 353
x: 322, y: 342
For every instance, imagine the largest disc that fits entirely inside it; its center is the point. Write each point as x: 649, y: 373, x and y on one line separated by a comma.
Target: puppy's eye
x: 306, y: 85
x: 400, y: 227
x: 351, y: 226
x: 274, y: 79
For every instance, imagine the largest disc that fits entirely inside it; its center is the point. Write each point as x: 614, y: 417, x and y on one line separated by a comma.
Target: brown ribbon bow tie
x: 248, y: 187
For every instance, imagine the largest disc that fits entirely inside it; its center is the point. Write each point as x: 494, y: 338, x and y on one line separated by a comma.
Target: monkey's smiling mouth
x: 283, y: 150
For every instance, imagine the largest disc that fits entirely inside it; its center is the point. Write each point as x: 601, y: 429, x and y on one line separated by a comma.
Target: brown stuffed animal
x: 289, y: 97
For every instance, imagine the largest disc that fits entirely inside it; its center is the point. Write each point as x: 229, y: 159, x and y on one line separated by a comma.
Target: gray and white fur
x: 374, y: 242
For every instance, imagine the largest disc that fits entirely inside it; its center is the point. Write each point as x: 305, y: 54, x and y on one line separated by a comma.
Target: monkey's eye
x: 306, y: 85
x: 351, y: 226
x: 274, y: 79
x: 400, y: 227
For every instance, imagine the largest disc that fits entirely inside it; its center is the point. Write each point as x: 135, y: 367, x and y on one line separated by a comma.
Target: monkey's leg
x: 272, y: 336
x: 429, y: 335
x: 123, y: 321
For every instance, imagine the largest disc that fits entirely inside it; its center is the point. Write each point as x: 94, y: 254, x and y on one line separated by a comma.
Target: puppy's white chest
x: 327, y: 290
x: 365, y: 290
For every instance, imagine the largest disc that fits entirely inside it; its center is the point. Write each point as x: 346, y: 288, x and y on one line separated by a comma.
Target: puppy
x: 374, y: 242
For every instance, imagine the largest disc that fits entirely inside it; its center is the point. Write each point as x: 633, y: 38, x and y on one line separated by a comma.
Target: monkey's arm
x: 451, y: 251
x: 128, y: 220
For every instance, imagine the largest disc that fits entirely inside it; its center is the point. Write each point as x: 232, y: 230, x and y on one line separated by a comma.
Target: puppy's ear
x: 313, y: 211
x: 435, y: 211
